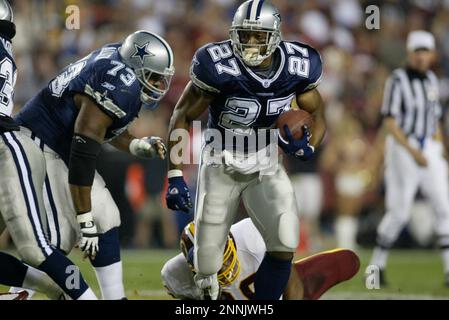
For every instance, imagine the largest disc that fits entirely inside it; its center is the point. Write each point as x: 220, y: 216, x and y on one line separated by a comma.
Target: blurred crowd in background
x: 345, y: 180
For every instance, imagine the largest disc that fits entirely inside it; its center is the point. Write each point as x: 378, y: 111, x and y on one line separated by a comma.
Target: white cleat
x: 210, y: 289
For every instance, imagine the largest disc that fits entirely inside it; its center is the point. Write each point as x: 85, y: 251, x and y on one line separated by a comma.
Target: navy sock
x: 12, y: 270
x: 66, y: 275
x: 271, y: 278
x: 109, y: 246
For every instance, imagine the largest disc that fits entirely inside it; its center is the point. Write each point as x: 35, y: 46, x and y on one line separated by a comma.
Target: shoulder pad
x: 205, y: 68
x: 310, y: 56
x: 111, y: 84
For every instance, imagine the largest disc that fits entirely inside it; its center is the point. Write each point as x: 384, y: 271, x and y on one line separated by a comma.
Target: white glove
x: 89, y: 234
x: 148, y: 147
x: 210, y: 289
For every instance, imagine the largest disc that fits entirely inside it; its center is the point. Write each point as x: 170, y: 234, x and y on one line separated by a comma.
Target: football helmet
x: 231, y: 264
x: 255, y: 16
x: 151, y: 58
x: 6, y: 11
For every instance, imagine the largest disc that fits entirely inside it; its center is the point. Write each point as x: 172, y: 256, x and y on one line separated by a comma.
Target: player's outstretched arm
x: 312, y: 102
x: 191, y: 105
x: 146, y: 147
x: 90, y: 128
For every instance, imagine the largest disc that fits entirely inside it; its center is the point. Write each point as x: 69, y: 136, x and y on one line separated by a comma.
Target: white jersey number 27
x: 244, y: 112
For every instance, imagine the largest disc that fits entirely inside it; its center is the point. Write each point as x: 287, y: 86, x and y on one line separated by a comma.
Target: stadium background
x: 349, y: 168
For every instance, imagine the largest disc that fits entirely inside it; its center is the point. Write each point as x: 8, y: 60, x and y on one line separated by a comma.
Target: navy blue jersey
x: 104, y: 78
x: 8, y: 75
x: 243, y: 99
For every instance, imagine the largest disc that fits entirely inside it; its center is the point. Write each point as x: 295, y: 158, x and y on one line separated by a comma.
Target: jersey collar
x: 266, y: 83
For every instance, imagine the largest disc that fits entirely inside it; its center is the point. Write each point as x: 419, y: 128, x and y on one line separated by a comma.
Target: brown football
x: 295, y: 119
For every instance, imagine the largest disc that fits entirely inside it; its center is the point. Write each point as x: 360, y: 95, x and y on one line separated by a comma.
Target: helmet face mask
x: 252, y: 20
x: 253, y: 54
x: 154, y: 85
x: 231, y: 265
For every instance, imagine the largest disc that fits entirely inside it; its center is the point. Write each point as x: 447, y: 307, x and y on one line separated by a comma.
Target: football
x: 295, y: 119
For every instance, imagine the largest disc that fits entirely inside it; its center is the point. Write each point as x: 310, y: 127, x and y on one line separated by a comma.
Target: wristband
x: 174, y: 173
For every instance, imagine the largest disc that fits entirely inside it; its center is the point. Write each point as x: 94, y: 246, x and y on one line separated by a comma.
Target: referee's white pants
x: 403, y: 177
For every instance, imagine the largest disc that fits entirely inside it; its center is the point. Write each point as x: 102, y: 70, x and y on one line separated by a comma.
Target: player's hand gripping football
x: 89, y: 235
x: 178, y: 195
x: 301, y: 148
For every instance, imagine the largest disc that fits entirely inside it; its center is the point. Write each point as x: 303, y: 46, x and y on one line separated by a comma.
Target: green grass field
x: 411, y: 275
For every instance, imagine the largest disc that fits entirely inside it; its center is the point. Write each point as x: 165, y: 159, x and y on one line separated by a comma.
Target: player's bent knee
x: 165, y: 274
x: 287, y: 239
x: 104, y: 209
x: 31, y: 255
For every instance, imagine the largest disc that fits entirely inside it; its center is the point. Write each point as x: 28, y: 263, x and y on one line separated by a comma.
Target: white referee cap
x: 420, y: 39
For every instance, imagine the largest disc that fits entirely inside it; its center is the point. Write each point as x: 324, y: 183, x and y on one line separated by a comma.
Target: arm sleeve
x: 203, y: 73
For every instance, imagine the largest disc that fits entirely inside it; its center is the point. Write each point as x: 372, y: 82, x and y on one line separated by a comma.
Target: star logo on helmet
x: 142, y: 52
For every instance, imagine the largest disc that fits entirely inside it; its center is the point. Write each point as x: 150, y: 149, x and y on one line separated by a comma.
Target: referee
x: 414, y: 152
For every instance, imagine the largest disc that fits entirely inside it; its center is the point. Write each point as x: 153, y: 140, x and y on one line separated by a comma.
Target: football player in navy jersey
x: 90, y: 102
x: 22, y: 211
x: 247, y: 82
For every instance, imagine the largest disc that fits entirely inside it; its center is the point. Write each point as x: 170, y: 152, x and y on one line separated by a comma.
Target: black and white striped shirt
x: 413, y: 100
